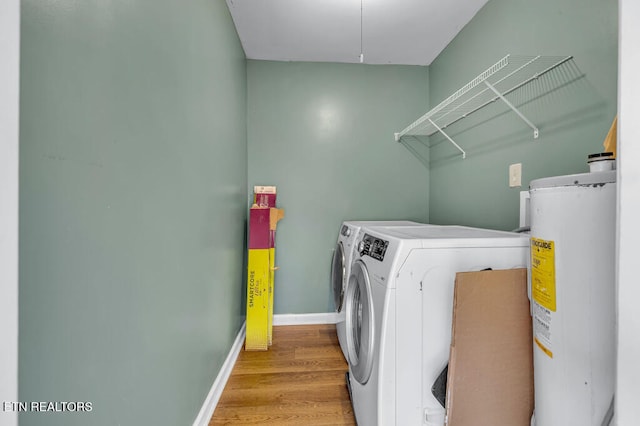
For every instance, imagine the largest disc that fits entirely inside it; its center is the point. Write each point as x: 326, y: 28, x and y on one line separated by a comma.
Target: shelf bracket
x: 464, y: 154
x: 510, y: 105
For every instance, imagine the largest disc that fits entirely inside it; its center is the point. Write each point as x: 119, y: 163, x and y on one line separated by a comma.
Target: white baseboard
x: 209, y: 406
x: 304, y: 319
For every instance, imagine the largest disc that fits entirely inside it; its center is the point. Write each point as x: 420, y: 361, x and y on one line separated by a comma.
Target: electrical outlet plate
x: 515, y: 175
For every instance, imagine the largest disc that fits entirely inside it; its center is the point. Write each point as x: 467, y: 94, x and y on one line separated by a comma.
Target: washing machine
x: 398, y: 310
x: 341, y: 266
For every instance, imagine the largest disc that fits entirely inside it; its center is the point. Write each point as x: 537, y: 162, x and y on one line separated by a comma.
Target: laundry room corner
x: 572, y: 105
x: 323, y: 134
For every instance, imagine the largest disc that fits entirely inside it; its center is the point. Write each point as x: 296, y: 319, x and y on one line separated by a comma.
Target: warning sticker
x: 542, y: 318
x: 543, y: 291
x: 543, y: 273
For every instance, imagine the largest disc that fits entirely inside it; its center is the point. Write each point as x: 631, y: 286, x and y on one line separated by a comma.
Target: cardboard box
x: 490, y: 377
x: 261, y: 276
x: 262, y: 226
x: 259, y: 228
x: 258, y: 276
x: 270, y: 291
x: 275, y: 215
x: 264, y: 196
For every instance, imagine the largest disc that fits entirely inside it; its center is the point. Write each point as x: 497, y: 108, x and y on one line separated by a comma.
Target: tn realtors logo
x: 47, y: 407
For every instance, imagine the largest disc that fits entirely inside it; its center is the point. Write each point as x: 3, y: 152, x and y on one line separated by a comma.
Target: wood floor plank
x: 290, y: 366
x: 315, y: 395
x: 315, y: 351
x: 284, y: 419
x: 278, y: 380
x: 298, y: 381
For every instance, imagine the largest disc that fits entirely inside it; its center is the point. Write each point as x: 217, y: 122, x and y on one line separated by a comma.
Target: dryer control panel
x: 373, y: 247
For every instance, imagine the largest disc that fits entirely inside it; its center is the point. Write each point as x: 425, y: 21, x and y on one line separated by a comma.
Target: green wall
x: 574, y: 115
x: 132, y: 206
x: 323, y: 134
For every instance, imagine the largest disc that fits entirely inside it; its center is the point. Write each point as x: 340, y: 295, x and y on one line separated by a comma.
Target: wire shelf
x: 502, y: 78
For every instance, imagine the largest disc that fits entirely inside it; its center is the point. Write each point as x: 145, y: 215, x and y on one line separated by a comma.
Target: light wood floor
x: 298, y: 381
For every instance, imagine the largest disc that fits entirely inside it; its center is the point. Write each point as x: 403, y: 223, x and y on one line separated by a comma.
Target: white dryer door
x: 360, y: 323
x: 337, y: 276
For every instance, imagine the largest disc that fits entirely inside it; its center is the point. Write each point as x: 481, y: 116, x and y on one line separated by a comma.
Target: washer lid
x: 444, y: 232
x: 593, y: 178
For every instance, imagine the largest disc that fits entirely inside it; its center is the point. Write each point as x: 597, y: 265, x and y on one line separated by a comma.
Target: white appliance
x: 573, y: 298
x: 399, y: 305
x: 341, y: 267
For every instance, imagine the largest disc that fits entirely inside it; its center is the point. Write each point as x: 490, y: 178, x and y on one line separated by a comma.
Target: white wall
x: 9, y: 78
x: 628, y: 380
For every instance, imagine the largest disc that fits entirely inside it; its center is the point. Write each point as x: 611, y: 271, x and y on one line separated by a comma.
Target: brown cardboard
x: 275, y: 216
x: 490, y: 378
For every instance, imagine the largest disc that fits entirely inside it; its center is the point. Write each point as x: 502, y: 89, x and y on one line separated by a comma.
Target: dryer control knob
x: 360, y: 247
x: 347, y: 232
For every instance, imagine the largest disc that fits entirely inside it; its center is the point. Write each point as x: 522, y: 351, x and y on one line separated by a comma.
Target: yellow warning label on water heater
x: 543, y: 273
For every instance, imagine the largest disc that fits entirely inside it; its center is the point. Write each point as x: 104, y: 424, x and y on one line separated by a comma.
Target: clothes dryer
x: 398, y: 310
x: 341, y: 266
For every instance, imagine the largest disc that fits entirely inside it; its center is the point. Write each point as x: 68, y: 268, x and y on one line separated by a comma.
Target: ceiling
x: 410, y: 32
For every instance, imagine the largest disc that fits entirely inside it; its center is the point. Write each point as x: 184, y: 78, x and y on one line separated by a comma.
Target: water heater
x: 572, y: 293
